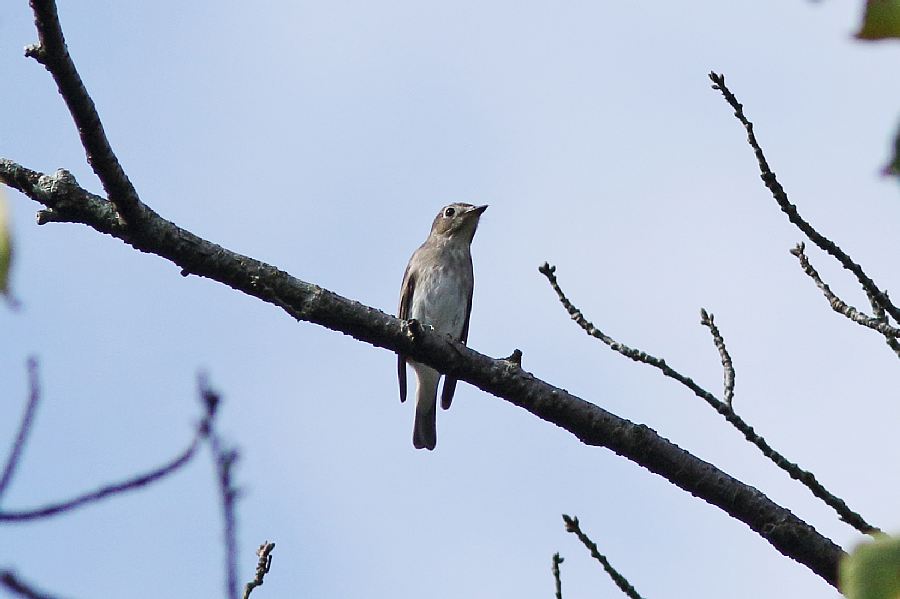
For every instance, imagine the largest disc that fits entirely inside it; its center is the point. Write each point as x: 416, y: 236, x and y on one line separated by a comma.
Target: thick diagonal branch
x: 304, y: 301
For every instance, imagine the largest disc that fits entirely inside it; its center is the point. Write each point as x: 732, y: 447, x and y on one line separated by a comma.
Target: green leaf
x: 881, y: 20
x: 893, y: 167
x: 5, y: 246
x: 872, y: 571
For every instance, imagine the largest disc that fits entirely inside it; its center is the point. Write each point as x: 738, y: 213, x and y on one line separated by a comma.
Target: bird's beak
x: 478, y: 209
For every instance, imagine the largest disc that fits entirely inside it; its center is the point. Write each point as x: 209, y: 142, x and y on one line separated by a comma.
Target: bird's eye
x: 449, y: 212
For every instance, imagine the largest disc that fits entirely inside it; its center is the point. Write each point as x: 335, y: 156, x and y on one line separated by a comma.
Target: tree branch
x: 19, y: 587
x: 15, y: 452
x: 837, y: 304
x: 224, y: 459
x: 111, y: 490
x: 51, y: 51
x: 708, y: 320
x: 790, y: 210
x: 878, y: 311
x: 557, y: 560
x: 264, y: 553
x: 304, y: 301
x: 795, y: 472
x: 621, y: 582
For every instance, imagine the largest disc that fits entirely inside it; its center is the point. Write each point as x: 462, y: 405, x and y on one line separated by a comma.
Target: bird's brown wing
x: 406, y: 294
x: 449, y: 387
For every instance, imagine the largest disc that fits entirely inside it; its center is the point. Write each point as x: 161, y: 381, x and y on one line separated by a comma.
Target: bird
x: 437, y: 291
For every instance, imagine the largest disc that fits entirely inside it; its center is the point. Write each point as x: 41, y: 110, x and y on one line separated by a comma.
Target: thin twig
x: 51, y: 51
x: 225, y: 459
x: 15, y: 452
x: 708, y: 320
x: 557, y: 560
x: 790, y: 210
x: 837, y: 304
x: 621, y: 582
x: 20, y: 588
x: 635, y: 354
x: 795, y: 472
x: 111, y: 490
x: 264, y: 553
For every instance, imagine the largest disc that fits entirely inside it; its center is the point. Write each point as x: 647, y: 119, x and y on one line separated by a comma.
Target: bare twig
x: 795, y: 472
x: 19, y: 587
x: 621, y: 582
x: 837, y: 304
x: 264, y: 553
x: 225, y: 459
x: 790, y: 210
x: 15, y: 452
x: 635, y: 354
x: 111, y: 490
x: 51, y: 51
x: 708, y: 320
x: 557, y: 560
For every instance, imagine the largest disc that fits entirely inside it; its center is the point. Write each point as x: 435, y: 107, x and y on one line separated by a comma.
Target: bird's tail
x: 425, y: 427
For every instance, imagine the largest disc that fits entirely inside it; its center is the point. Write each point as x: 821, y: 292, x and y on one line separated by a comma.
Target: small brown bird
x: 437, y: 291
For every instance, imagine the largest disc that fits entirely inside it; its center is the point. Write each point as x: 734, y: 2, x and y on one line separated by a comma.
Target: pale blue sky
x: 323, y: 137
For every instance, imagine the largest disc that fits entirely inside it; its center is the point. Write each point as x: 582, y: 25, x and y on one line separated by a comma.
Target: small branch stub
x: 37, y: 52
x: 413, y: 329
x: 515, y: 358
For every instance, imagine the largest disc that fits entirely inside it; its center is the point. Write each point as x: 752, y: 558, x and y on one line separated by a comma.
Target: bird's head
x: 457, y: 221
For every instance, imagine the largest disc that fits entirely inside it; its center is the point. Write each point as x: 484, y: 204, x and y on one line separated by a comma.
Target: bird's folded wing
x: 406, y: 293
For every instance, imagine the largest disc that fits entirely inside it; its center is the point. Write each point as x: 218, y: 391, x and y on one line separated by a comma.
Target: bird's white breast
x: 440, y: 299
